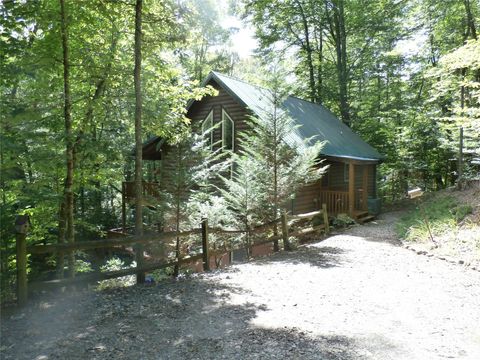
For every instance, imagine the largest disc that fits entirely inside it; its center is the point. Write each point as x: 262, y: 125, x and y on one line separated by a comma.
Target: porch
x: 346, y: 188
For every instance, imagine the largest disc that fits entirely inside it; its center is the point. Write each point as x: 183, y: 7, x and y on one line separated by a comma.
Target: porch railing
x: 337, y: 201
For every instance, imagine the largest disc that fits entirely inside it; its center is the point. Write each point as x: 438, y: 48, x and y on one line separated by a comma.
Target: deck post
x: 365, y: 188
x: 205, y: 250
x: 22, y: 223
x: 351, y: 189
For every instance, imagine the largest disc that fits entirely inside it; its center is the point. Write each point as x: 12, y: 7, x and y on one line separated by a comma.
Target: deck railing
x: 337, y: 201
x: 151, y: 189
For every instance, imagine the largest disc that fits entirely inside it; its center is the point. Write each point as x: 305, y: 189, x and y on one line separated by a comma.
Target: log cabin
x: 349, y: 186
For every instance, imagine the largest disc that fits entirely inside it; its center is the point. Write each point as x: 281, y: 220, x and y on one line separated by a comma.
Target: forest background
x: 348, y: 55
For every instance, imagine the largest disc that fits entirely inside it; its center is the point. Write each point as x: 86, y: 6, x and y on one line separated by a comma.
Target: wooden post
x: 124, y: 207
x: 22, y: 223
x: 286, y: 244
x: 138, y: 248
x: 351, y: 189
x: 460, y: 160
x: 427, y: 223
x: 325, y: 219
x: 205, y: 250
x: 365, y: 188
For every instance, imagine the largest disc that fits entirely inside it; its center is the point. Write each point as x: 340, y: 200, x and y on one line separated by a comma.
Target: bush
x: 114, y: 264
x: 343, y: 220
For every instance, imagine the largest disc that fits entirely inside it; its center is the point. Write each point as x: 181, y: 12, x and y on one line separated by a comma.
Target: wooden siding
x: 306, y: 199
x: 200, y: 110
x: 336, y: 179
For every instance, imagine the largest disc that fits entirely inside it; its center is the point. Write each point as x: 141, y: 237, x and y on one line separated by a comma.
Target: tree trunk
x: 308, y: 49
x: 336, y: 21
x: 176, y: 269
x: 61, y: 239
x: 138, y: 137
x: 341, y: 49
x: 275, y: 169
x: 68, y: 188
x: 471, y: 29
x: 320, y: 69
x: 178, y: 199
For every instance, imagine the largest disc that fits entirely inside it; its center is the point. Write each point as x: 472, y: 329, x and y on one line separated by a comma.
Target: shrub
x: 343, y: 220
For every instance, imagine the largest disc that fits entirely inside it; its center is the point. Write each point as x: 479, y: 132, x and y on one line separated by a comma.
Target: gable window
x: 207, y: 130
x: 228, y: 130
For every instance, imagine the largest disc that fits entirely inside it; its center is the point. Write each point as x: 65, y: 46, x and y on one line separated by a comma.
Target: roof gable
x: 314, y: 120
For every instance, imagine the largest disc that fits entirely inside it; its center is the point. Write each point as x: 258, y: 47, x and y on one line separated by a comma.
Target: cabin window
x: 346, y: 171
x: 207, y: 130
x: 228, y: 129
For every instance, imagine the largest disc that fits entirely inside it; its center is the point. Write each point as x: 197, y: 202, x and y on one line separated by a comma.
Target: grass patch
x: 443, y: 213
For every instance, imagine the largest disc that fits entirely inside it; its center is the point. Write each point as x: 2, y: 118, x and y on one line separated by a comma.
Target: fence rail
x: 207, y: 252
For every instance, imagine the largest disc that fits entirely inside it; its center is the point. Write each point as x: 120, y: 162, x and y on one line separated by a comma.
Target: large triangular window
x: 207, y: 130
x: 228, y: 131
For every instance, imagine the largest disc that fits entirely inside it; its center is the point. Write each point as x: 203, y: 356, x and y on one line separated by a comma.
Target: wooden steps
x: 363, y: 216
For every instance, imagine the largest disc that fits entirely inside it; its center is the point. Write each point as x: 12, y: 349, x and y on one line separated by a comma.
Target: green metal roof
x: 315, y: 121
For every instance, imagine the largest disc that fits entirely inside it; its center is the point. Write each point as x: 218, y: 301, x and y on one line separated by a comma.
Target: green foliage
x: 404, y: 102
x: 443, y: 214
x: 100, y: 37
x: 82, y: 266
x: 209, y: 41
x: 283, y: 166
x: 243, y: 194
x: 115, y: 264
x: 269, y: 168
x: 343, y: 220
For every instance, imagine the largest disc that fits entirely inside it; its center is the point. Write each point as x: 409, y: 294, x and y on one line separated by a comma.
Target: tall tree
x: 68, y: 189
x: 138, y: 137
x: 207, y: 41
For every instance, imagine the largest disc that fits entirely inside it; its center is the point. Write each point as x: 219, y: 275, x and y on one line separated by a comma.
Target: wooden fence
x: 23, y: 250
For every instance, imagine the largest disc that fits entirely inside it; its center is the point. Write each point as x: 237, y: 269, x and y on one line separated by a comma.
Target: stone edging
x: 442, y: 257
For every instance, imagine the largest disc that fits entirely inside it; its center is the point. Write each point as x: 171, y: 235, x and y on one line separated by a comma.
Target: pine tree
x: 270, y: 167
x: 286, y: 166
x: 188, y: 179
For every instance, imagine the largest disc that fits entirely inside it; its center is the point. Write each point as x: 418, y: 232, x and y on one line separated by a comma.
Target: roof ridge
x: 262, y: 88
x: 241, y: 80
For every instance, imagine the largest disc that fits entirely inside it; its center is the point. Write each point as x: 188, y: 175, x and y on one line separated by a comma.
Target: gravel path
x: 356, y: 295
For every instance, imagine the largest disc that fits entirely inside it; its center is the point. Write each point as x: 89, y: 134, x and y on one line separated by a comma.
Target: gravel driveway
x: 356, y: 295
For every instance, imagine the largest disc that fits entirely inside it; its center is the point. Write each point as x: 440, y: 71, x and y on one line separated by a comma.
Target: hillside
x: 454, y: 219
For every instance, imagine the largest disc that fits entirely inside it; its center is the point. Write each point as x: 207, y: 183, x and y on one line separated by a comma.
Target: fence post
x: 325, y: 218
x: 286, y: 244
x: 205, y: 250
x: 22, y: 223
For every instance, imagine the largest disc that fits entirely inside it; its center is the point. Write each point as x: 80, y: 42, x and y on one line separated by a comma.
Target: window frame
x: 227, y: 117
x: 207, y: 118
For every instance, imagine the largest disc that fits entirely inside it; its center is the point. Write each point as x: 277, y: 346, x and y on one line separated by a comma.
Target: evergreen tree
x: 271, y: 165
x: 189, y: 169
